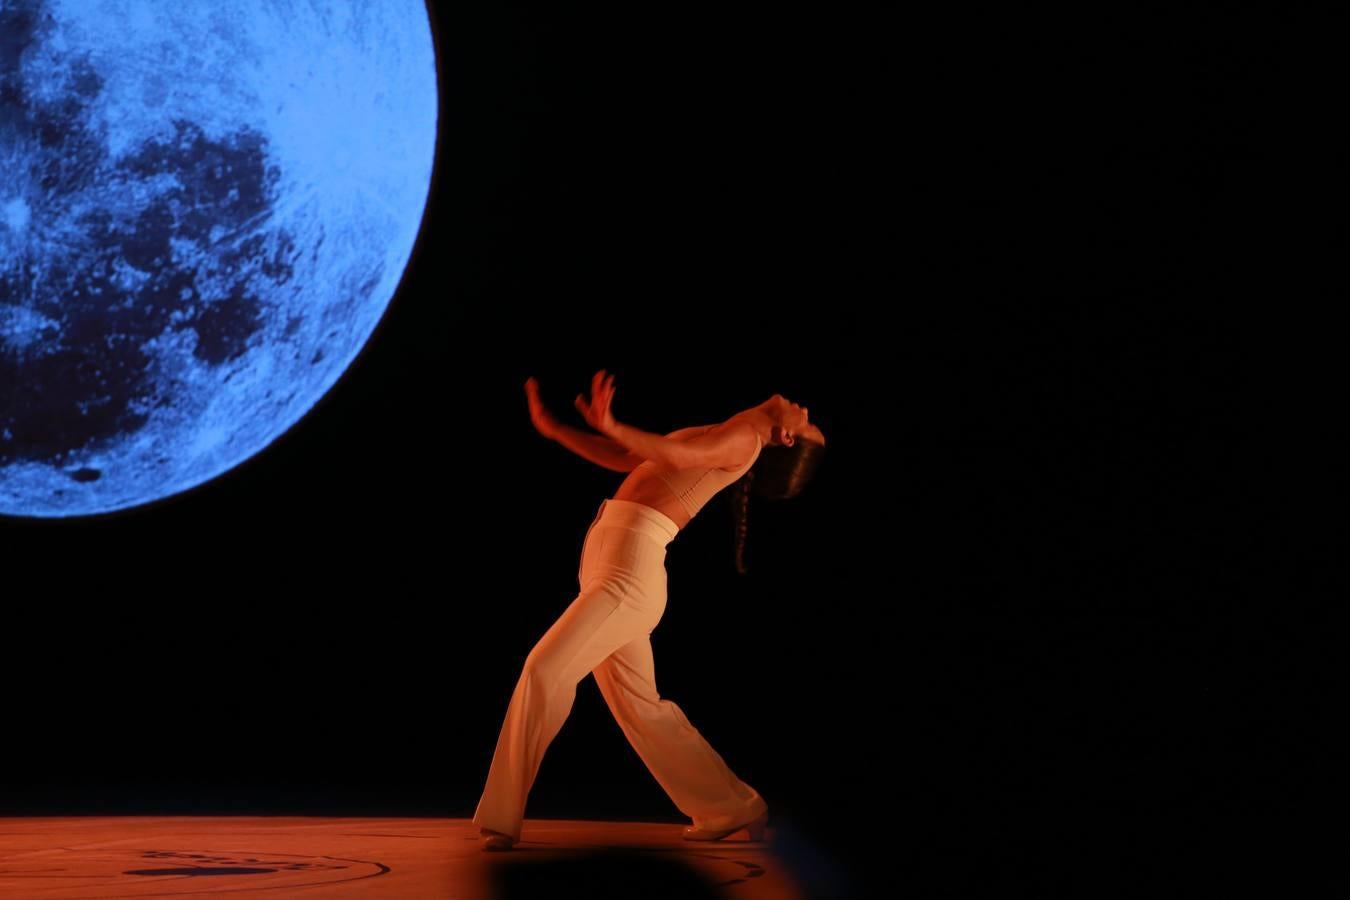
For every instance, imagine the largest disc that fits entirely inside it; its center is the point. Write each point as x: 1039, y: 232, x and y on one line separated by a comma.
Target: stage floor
x: 68, y: 858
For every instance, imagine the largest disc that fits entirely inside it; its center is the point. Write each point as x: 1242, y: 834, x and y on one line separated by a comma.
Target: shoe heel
x: 495, y: 841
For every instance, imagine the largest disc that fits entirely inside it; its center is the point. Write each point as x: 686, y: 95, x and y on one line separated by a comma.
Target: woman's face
x: 793, y: 421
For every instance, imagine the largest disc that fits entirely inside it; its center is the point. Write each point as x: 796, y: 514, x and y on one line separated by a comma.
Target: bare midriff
x: 648, y: 489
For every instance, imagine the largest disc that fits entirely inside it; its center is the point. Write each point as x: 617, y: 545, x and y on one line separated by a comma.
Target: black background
x: 1001, y: 633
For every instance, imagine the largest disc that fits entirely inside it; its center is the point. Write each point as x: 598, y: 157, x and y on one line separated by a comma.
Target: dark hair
x: 780, y: 473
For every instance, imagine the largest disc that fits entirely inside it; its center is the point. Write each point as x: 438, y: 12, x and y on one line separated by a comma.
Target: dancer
x: 606, y: 630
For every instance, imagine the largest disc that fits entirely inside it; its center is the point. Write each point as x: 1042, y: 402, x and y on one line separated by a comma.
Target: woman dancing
x: 606, y: 630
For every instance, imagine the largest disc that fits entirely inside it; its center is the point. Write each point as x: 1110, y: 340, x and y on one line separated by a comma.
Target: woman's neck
x: 762, y: 421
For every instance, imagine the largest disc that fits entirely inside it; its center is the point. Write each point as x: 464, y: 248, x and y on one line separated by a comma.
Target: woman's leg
x: 598, y: 621
x: 686, y: 766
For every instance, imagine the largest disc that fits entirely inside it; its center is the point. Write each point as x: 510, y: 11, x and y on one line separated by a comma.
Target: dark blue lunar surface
x: 205, y: 208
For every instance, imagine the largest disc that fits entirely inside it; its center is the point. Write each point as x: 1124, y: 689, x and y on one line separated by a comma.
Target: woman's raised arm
x: 595, y: 448
x: 724, y: 446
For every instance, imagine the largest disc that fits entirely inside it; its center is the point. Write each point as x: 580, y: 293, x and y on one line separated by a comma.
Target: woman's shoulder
x: 735, y: 423
x: 693, y: 431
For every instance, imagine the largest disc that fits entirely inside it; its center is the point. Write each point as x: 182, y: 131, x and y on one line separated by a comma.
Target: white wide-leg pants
x: 606, y: 631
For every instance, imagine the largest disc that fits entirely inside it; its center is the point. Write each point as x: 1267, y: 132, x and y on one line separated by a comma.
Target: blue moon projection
x: 205, y: 209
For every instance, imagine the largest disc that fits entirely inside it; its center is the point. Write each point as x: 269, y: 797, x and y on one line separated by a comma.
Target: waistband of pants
x: 637, y: 517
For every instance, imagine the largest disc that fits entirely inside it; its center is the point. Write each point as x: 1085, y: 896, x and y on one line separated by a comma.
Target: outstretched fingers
x: 596, y: 410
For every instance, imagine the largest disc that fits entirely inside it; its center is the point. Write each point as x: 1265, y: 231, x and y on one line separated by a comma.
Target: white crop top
x: 695, y: 487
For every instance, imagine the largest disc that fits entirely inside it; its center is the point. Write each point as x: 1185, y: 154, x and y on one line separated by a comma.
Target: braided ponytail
x: 779, y: 474
x: 740, y: 511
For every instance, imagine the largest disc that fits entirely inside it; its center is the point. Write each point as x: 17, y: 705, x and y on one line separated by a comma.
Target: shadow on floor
x: 620, y: 874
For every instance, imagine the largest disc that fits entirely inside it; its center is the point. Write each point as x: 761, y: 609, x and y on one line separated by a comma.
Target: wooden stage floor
x: 71, y: 858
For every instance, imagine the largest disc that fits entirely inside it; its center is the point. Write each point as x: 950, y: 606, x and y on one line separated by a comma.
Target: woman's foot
x: 495, y: 840
x: 755, y: 827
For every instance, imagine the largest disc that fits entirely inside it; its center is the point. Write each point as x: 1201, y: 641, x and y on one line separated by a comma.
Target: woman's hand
x: 597, y: 412
x: 543, y: 420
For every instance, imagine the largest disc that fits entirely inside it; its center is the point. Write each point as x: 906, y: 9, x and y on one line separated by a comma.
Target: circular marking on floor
x: 166, y: 873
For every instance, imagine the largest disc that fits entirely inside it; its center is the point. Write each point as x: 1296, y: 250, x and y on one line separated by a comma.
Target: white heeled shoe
x: 755, y: 827
x: 495, y: 840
